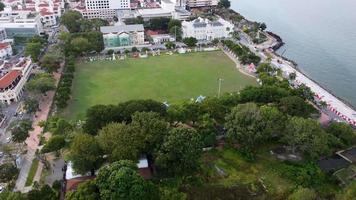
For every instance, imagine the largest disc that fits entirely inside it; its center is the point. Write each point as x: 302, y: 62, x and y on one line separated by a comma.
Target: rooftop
x: 8, y: 78
x: 121, y: 28
x: 349, y: 155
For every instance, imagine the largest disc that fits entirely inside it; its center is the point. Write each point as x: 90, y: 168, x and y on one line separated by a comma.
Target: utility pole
x: 219, y: 91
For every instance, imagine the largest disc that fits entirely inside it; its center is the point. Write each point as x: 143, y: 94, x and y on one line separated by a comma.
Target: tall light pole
x: 219, y: 91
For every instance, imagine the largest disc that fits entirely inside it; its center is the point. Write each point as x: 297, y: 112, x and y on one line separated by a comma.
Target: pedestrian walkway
x: 33, y: 140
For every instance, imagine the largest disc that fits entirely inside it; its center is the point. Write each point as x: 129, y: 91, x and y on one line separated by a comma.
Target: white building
x: 204, y: 29
x: 123, y: 36
x: 5, y: 50
x: 13, y: 78
x: 201, y: 3
x: 103, y: 9
x: 20, y: 23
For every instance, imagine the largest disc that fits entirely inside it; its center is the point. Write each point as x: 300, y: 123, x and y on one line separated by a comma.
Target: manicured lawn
x: 32, y: 172
x: 163, y: 78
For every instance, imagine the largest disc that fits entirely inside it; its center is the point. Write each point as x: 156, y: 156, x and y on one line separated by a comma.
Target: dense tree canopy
x: 343, y: 133
x: 71, y: 19
x: 41, y: 83
x: 21, y: 131
x: 244, y: 125
x: 100, y: 115
x: 307, y: 136
x: 55, y: 143
x: 33, y: 49
x: 296, y: 106
x: 121, y: 141
x: 180, y: 152
x: 31, y: 105
x: 120, y: 180
x: 8, y: 172
x: 50, y: 62
x: 85, y: 154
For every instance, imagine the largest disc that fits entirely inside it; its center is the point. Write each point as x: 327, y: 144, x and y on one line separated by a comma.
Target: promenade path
x: 344, y: 112
x: 33, y: 140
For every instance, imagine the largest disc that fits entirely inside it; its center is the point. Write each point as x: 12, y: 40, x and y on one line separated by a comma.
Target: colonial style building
x: 13, y: 77
x: 123, y: 35
x: 204, y: 29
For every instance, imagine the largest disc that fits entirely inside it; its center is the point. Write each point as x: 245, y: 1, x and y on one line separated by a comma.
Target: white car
x: 8, y: 139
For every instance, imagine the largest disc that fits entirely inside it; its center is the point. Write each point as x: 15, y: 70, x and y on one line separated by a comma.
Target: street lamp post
x: 219, y: 91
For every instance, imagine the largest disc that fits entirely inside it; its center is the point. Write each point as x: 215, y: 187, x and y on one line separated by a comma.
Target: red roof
x: 73, y: 183
x: 4, y: 45
x: 9, y: 78
x: 44, y: 11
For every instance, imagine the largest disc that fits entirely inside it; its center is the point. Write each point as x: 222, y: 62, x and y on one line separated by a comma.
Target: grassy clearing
x: 164, y: 78
x: 238, y: 171
x: 32, y: 172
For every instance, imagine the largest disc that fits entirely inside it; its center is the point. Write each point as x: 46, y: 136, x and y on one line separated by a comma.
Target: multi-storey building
x: 21, y: 23
x: 102, y: 8
x: 204, y: 29
x: 13, y: 77
x: 123, y: 36
x: 201, y: 3
x: 5, y: 50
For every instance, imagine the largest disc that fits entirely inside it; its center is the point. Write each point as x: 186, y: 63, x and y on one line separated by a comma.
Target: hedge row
x: 246, y: 56
x: 64, y: 86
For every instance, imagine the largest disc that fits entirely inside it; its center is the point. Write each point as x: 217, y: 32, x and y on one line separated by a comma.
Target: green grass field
x: 163, y: 78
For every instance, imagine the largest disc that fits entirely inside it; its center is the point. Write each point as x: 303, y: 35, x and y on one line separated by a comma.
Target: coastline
x: 294, y: 64
x: 344, y: 109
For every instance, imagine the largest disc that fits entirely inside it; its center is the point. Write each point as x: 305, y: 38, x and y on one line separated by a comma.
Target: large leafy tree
x: 55, y: 143
x: 296, y: 106
x: 121, y: 141
x: 33, y: 49
x: 85, y: 154
x: 8, y: 172
x: 80, y: 45
x: 307, y: 136
x: 50, y: 62
x: 151, y: 127
x: 190, y: 41
x: 58, y: 126
x: 180, y: 152
x: 41, y: 83
x: 31, y: 105
x: 71, y: 19
x: 87, y: 190
x: 224, y: 4
x: 343, y: 133
x: 244, y: 125
x: 21, y: 131
x: 274, y: 121
x: 120, y: 180
x: 43, y: 193
x: 98, y: 116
